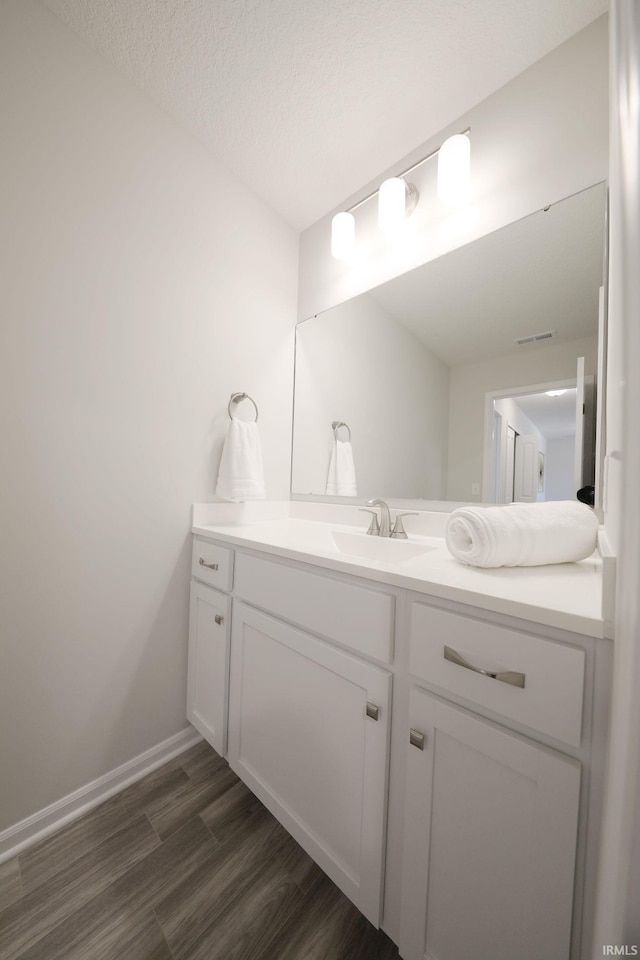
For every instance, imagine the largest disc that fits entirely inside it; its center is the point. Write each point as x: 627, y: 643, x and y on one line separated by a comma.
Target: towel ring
x: 238, y: 398
x: 340, y: 423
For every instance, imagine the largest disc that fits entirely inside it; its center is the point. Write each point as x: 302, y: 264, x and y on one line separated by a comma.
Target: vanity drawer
x: 212, y: 564
x: 550, y: 700
x: 353, y: 616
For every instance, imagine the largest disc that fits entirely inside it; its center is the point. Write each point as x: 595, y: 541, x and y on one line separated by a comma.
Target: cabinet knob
x: 416, y: 739
x: 372, y: 710
x: 219, y: 619
x: 211, y: 566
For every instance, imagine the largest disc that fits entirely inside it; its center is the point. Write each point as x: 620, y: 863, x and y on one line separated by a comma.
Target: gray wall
x: 358, y: 364
x: 141, y: 285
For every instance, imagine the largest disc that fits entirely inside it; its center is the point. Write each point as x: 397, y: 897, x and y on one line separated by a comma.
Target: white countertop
x: 567, y: 596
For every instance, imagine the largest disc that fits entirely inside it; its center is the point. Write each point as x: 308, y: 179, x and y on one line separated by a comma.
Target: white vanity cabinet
x: 490, y: 840
x: 308, y: 713
x: 309, y: 734
x: 460, y: 814
x: 209, y: 637
x: 491, y: 815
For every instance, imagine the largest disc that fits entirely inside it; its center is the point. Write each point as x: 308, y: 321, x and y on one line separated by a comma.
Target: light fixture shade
x: 391, y: 203
x: 343, y: 235
x: 454, y: 166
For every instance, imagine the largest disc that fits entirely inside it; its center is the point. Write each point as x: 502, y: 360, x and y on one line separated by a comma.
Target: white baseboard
x: 39, y: 825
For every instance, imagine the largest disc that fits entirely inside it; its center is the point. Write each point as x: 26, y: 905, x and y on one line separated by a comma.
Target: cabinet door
x: 303, y: 735
x: 208, y: 664
x: 490, y: 839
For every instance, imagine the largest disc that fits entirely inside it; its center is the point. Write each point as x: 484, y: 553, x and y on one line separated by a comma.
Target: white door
x: 490, y: 839
x: 509, y: 480
x: 578, y: 459
x: 209, y: 632
x: 526, y: 471
x: 498, y: 479
x: 309, y: 734
x: 601, y: 425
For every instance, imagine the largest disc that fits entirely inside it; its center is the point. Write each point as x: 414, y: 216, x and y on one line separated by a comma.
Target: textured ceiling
x: 307, y: 101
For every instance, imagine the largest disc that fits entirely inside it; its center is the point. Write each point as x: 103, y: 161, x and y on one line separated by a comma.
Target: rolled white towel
x: 522, y: 534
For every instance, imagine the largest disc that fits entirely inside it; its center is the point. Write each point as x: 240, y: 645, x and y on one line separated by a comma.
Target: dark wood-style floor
x: 186, y: 864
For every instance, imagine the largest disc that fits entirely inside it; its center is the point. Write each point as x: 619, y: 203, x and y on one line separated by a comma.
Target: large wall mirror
x: 463, y: 380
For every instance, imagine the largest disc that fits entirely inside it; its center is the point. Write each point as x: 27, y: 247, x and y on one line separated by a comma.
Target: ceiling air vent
x: 536, y: 338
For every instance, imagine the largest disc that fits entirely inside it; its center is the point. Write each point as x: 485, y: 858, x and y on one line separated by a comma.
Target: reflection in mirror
x: 427, y: 373
x: 540, y: 443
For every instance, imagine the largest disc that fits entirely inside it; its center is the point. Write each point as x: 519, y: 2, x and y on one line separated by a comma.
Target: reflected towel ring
x: 238, y: 398
x: 336, y: 426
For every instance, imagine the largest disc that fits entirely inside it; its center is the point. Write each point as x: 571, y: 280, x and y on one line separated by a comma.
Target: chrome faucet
x: 384, y: 529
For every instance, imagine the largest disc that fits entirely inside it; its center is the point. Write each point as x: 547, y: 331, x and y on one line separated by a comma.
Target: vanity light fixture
x: 454, y: 167
x: 343, y: 235
x: 554, y: 393
x: 398, y: 199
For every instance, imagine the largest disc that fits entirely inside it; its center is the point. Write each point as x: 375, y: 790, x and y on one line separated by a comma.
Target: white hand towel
x: 341, y: 480
x: 522, y: 534
x: 240, y: 476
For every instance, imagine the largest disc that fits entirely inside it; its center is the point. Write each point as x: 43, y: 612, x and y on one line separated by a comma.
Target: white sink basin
x: 382, y: 549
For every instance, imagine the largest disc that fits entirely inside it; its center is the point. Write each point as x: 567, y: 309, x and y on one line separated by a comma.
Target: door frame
x: 488, y: 441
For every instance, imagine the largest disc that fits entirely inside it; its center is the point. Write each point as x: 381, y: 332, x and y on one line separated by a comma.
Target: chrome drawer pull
x: 416, y: 739
x: 372, y: 710
x: 211, y: 566
x: 218, y: 619
x: 506, y: 676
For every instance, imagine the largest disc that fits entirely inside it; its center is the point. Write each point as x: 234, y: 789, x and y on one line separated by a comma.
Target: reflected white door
x: 600, y: 426
x: 498, y: 480
x: 509, y: 482
x: 578, y: 460
x: 526, y: 469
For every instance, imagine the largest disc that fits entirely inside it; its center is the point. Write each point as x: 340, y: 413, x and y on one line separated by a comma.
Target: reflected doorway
x: 541, y: 443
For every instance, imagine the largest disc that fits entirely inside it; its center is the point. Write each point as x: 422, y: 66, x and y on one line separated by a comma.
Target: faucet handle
x: 374, y: 526
x: 399, y: 532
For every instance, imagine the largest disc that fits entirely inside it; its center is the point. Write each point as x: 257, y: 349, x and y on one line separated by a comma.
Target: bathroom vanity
x: 432, y: 735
